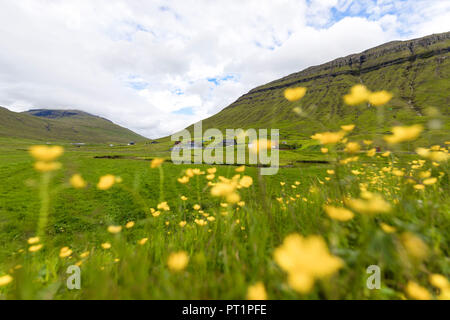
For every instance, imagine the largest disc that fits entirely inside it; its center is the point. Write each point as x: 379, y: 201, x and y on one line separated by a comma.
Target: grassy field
x: 281, y: 240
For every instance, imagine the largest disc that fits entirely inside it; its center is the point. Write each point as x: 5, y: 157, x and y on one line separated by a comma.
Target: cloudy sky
x: 157, y: 66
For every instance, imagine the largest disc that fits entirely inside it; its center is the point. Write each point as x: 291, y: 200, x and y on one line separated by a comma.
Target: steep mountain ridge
x: 63, y: 125
x: 416, y: 71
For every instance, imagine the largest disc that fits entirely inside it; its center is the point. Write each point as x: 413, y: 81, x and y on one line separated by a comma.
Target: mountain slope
x: 417, y: 72
x: 63, y: 125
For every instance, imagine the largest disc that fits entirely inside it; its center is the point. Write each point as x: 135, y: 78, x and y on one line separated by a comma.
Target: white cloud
x: 138, y: 62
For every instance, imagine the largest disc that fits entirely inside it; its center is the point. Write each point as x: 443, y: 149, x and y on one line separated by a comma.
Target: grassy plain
x: 235, y: 249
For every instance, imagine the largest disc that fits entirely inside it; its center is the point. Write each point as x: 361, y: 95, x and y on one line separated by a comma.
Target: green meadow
x: 226, y: 249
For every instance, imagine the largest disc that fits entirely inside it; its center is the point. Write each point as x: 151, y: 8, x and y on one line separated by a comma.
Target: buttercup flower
x: 257, y: 292
x: 130, y: 225
x: 106, y: 182
x: 46, y: 153
x: 164, y: 206
x: 35, y: 248
x: 402, y: 134
x: 329, y: 137
x: 352, y: 147
x: 294, y: 94
x: 65, y: 252
x: 305, y: 260
x: 184, y: 179
x: 358, y: 94
x: 380, y: 98
x: 348, y: 127
x: 6, y: 279
x: 106, y: 245
x: 77, y: 181
x: 143, y: 241
x: 156, y: 163
x: 33, y: 240
x: 340, y: 214
x: 114, y: 229
x: 417, y: 292
x: 375, y: 204
x: 178, y: 261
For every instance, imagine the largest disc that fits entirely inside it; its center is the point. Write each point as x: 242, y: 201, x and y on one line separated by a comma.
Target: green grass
x: 226, y: 255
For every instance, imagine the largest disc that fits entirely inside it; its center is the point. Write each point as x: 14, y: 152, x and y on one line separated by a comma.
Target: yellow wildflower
x: 6, y: 279
x: 348, y: 127
x: 257, y: 292
x: 200, y: 222
x: 329, y: 137
x: 324, y: 150
x: 415, y: 246
x: 196, y: 207
x: 114, y: 229
x: 77, y: 181
x: 65, y: 252
x: 358, y: 94
x: 329, y: 171
x: 429, y: 181
x: 305, y: 259
x: 178, y: 261
x: 387, y: 228
x: 371, y: 152
x: 367, y: 142
x: 106, y: 182
x: 182, y: 224
x: 340, y: 214
x: 439, y: 281
x: 380, y: 98
x: 35, y: 248
x: 156, y: 213
x: 130, y: 225
x: 210, y: 176
x: 106, y: 245
x: 156, y: 163
x: 386, y: 154
x: 401, y: 134
x: 184, y: 179
x: 246, y: 181
x: 211, y: 170
x: 46, y: 153
x: 419, y: 186
x: 352, y: 147
x: 417, y: 292
x: 163, y: 206
x: 33, y: 240
x: 375, y: 204
x: 184, y: 198
x: 84, y: 254
x: 143, y: 241
x: 294, y: 94
x: 240, y: 169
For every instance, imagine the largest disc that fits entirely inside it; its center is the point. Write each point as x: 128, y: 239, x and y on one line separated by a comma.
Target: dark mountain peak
x: 53, y: 114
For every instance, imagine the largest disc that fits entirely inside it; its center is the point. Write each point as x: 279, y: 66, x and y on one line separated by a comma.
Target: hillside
x: 417, y: 72
x: 63, y: 125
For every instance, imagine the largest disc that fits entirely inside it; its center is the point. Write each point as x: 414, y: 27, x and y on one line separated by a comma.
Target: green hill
x: 63, y: 125
x: 417, y: 72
